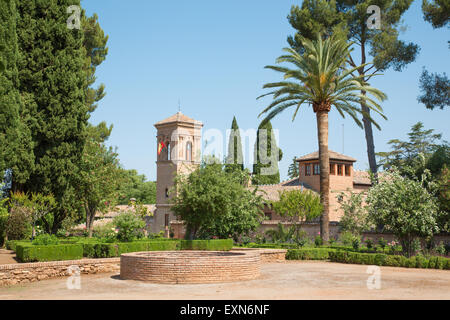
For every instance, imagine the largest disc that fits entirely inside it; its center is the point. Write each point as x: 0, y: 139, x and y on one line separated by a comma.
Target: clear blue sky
x: 211, y: 54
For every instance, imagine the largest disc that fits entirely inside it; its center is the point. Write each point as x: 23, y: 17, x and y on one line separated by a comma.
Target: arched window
x: 189, y: 151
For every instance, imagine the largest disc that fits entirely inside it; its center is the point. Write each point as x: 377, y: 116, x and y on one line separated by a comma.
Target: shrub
x: 11, y: 244
x: 212, y: 245
x: 389, y: 260
x: 308, y: 254
x: 440, y: 249
x: 318, y: 241
x: 45, y: 240
x: 382, y: 243
x: 356, y: 243
x: 346, y: 238
x: 18, y: 226
x: 369, y: 243
x: 32, y: 253
x: 130, y: 226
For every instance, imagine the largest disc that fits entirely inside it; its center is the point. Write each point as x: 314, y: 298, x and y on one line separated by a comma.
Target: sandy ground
x: 289, y: 280
x: 7, y: 256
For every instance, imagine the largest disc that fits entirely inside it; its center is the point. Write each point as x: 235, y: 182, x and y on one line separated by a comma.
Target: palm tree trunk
x: 324, y: 162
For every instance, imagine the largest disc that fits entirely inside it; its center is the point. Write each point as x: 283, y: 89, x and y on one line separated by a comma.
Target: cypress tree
x: 267, y: 155
x: 53, y: 78
x: 15, y: 137
x: 235, y: 159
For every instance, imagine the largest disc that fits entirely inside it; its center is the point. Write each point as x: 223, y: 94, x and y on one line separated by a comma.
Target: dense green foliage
x: 309, y: 254
x: 32, y: 253
x: 298, y: 206
x: 211, y: 245
x: 99, y: 176
x: 404, y: 207
x: 135, y: 186
x: 355, y: 219
x: 130, y: 226
x: 18, y: 225
x: 212, y: 202
x: 45, y: 240
x: 266, y: 155
x: 3, y: 220
x: 380, y: 259
x: 235, y: 158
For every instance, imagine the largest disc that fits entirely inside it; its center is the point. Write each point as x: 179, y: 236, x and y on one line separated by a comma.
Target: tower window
x: 167, y: 193
x: 347, y: 170
x: 189, y: 151
x: 332, y: 168
x: 316, y: 169
x: 166, y: 220
x: 339, y: 169
x: 307, y: 170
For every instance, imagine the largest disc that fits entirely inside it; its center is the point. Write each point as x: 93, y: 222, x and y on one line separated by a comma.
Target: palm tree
x: 320, y: 79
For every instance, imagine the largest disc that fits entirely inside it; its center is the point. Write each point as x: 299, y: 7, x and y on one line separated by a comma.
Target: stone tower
x: 179, y: 138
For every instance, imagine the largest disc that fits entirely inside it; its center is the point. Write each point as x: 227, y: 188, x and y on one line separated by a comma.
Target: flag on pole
x: 161, y: 146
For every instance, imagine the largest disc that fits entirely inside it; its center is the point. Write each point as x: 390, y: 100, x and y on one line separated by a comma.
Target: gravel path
x: 289, y: 280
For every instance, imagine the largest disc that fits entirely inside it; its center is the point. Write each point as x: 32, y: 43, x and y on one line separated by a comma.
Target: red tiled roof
x: 333, y: 156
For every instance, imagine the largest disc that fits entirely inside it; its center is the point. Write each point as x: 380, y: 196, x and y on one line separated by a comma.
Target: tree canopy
x: 212, y: 202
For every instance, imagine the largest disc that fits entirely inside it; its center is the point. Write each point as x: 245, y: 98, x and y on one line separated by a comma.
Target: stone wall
x: 12, y: 274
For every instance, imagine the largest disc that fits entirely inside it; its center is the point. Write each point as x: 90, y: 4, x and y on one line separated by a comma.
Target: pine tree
x: 15, y: 137
x: 53, y: 78
x: 235, y: 159
x: 266, y: 154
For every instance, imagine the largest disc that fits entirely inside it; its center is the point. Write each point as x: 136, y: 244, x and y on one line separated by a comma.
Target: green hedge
x: 109, y: 250
x: 32, y: 253
x: 271, y: 245
x: 381, y: 259
x: 11, y: 244
x: 309, y: 254
x: 211, y: 245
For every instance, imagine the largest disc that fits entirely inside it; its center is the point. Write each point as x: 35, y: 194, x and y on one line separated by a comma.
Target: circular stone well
x: 190, y: 266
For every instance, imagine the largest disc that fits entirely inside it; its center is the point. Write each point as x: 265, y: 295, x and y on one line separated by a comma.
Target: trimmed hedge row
x: 109, y: 250
x: 27, y: 252
x: 211, y: 245
x: 271, y: 245
x: 32, y: 253
x: 381, y: 259
x: 309, y: 254
x: 11, y: 244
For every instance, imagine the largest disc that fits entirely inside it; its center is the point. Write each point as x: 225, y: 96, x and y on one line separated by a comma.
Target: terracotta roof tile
x: 333, y: 156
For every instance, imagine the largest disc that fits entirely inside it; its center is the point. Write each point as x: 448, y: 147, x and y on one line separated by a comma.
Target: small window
x: 167, y: 192
x: 339, y: 167
x: 189, y: 151
x: 347, y: 170
x: 168, y: 151
x: 332, y: 169
x: 268, y: 216
x: 316, y: 169
x: 307, y: 170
